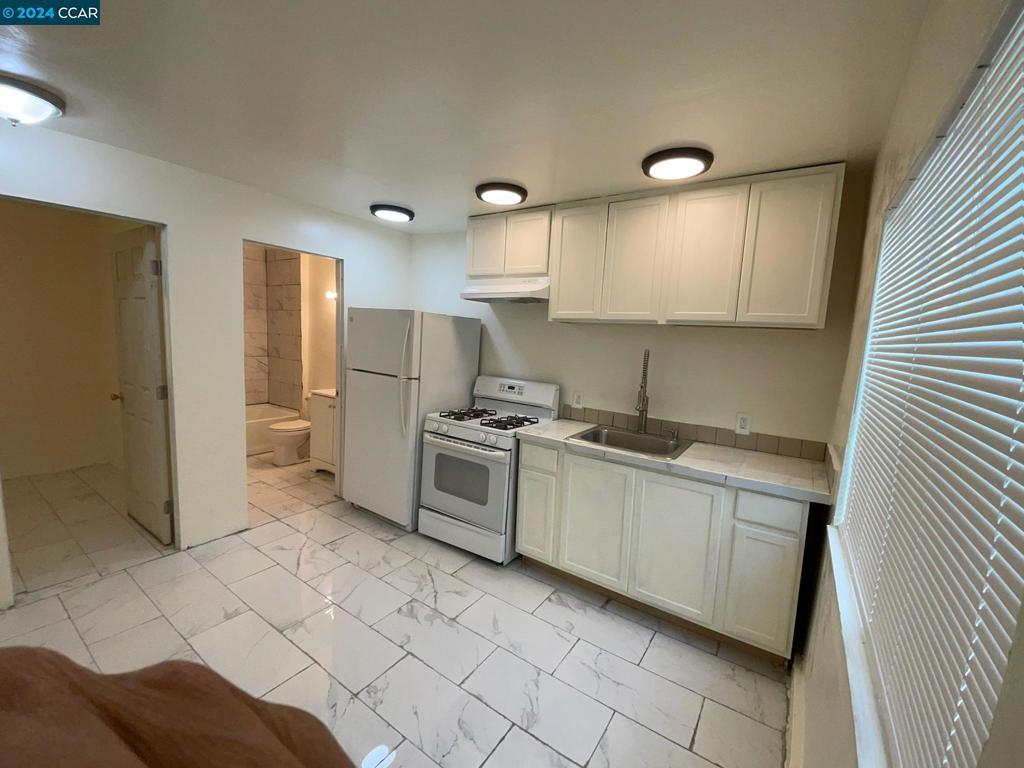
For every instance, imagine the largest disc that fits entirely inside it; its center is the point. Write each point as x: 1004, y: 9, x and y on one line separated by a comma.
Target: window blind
x: 932, y: 505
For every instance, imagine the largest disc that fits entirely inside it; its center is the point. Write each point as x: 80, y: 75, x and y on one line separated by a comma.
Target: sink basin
x: 662, y: 446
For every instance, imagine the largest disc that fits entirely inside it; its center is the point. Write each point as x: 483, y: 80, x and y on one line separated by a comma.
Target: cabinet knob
x: 115, y: 395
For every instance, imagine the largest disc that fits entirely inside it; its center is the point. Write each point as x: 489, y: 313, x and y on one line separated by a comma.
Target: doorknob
x: 115, y: 395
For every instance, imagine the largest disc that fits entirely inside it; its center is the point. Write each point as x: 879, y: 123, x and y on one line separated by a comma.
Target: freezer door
x: 384, y: 341
x: 381, y: 445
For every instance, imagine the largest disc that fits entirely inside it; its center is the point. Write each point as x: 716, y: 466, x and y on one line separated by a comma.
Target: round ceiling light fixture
x: 501, y: 193
x: 677, y: 163
x: 393, y: 213
x: 23, y: 103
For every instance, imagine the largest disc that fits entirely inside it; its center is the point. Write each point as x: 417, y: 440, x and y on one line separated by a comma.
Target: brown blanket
x: 56, y: 713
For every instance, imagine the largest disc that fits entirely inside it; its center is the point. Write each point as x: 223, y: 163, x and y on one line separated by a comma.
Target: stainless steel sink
x: 662, y: 446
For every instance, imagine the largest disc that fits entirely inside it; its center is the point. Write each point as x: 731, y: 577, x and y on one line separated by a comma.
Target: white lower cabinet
x: 597, y: 509
x: 674, y: 556
x: 729, y: 560
x: 535, y: 520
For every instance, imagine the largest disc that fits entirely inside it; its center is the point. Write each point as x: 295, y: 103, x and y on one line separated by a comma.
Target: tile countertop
x: 798, y: 479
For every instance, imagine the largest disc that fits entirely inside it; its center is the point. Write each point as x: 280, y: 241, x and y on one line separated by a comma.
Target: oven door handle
x: 468, y: 449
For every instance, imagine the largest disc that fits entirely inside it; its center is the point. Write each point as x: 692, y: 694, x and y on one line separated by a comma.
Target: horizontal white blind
x: 933, y: 503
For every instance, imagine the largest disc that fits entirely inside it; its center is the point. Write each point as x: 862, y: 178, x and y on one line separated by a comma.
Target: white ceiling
x: 341, y: 103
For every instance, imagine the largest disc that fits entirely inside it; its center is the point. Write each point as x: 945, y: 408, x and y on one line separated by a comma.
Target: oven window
x: 468, y: 480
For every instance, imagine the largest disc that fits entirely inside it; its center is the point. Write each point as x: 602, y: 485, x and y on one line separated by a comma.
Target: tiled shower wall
x: 284, y: 325
x: 254, y: 277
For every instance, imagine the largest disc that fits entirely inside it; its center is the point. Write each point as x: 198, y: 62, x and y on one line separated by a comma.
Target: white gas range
x: 470, y: 455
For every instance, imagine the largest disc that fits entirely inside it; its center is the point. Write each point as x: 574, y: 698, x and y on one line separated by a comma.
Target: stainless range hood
x: 512, y: 289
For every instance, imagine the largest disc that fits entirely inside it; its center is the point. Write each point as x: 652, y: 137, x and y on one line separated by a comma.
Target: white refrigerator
x: 400, y: 365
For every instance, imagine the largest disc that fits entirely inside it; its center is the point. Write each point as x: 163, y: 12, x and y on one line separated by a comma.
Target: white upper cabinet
x: 577, y: 261
x: 635, y: 253
x: 526, y: 242
x: 485, y: 241
x: 702, y: 274
x: 508, y: 243
x: 787, y: 256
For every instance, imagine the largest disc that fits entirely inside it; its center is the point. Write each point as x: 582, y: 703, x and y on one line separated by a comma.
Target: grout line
x: 696, y: 723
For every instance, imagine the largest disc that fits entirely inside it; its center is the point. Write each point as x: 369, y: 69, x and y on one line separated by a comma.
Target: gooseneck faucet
x: 641, y: 396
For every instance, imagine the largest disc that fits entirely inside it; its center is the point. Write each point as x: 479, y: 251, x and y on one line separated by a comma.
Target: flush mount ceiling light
x: 22, y: 103
x: 393, y: 213
x: 677, y: 163
x: 501, y: 193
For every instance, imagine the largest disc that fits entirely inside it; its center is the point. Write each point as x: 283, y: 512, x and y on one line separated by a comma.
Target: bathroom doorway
x: 85, y: 451
x: 293, y: 303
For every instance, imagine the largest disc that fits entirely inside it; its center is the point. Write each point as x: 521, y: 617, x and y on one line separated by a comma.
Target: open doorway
x: 85, y: 443
x: 293, y: 302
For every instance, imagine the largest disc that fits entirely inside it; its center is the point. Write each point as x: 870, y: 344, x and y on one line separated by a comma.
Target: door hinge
x: 161, y: 392
x: 156, y: 267
x: 169, y: 507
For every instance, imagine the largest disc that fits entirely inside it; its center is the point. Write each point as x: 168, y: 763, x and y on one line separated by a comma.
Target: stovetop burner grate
x: 467, y: 414
x: 509, y: 422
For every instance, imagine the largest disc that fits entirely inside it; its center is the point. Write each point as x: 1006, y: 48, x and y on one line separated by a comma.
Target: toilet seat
x: 295, y: 425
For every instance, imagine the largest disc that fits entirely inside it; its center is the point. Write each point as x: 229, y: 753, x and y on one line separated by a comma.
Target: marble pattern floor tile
x: 408, y: 756
x: 448, y: 725
x: 108, y: 607
x: 27, y: 598
x: 349, y: 650
x: 520, y: 750
x: 250, y: 653
x: 124, y: 555
x: 279, y: 597
x: 525, y: 635
x: 61, y: 637
x: 88, y: 506
x: 364, y: 596
x: 101, y: 533
x: 548, y: 709
x: 643, y: 696
x: 52, y: 564
x: 163, y: 569
x: 321, y: 527
x: 372, y: 555
x: 732, y: 740
x: 28, y: 618
x: 302, y: 556
x: 42, y: 532
x: 435, y: 588
x: 432, y: 552
x: 311, y: 492
x: 626, y: 743
x: 365, y: 521
x: 265, y: 534
x: 357, y: 728
x: 258, y: 517
x: 557, y: 581
x: 140, y: 646
x: 195, y: 602
x: 506, y: 583
x: 446, y: 646
x: 613, y: 633
x: 752, y: 694
x: 775, y: 669
x: 690, y: 637
x: 231, y: 558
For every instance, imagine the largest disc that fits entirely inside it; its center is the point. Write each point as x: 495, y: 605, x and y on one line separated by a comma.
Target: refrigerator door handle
x: 401, y: 406
x: 405, y: 349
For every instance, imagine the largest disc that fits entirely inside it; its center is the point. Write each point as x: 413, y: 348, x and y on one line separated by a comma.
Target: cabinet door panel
x: 321, y: 433
x: 577, y: 262
x: 637, y: 240
x: 526, y: 242
x: 597, y: 507
x: 485, y: 241
x: 703, y: 266
x: 764, y: 574
x: 676, y: 542
x: 535, y: 515
x: 786, y: 253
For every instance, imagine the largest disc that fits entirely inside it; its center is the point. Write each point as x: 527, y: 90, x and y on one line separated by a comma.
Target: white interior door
x: 142, y: 374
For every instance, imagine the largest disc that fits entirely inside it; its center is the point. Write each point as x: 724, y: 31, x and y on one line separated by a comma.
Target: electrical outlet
x: 577, y: 399
x: 742, y: 423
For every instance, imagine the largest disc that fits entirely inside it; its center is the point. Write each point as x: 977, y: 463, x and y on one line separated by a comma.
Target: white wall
x: 787, y: 380
x: 207, y: 219
x: 319, y: 351
x: 58, y: 350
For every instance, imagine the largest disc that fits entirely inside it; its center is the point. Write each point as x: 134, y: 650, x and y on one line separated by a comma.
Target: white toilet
x: 291, y: 441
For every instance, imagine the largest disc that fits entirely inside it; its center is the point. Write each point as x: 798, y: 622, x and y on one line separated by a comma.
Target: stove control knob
x: 444, y: 428
x: 432, y: 426
x: 482, y: 437
x: 493, y: 440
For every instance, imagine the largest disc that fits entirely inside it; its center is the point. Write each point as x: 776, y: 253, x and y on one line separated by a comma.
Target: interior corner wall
x: 952, y: 38
x: 786, y: 379
x: 318, y: 323
x: 206, y: 219
x: 58, y: 351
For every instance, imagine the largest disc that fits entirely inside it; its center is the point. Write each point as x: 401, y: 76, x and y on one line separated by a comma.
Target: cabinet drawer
x: 770, y: 511
x: 536, y: 457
